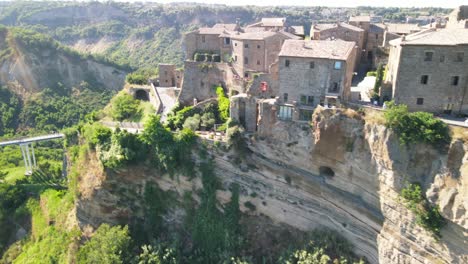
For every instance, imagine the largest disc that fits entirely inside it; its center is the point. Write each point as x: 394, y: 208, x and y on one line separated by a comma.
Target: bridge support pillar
x: 29, y: 161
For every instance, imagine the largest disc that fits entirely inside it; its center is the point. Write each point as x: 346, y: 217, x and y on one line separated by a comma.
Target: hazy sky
x: 336, y: 3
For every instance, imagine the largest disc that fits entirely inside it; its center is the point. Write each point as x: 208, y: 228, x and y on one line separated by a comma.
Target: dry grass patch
x: 374, y: 117
x: 459, y: 133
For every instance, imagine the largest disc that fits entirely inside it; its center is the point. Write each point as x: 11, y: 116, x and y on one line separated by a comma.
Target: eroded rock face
x: 339, y: 173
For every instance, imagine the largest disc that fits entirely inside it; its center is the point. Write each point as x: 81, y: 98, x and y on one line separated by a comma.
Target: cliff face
x: 29, y: 69
x: 339, y: 173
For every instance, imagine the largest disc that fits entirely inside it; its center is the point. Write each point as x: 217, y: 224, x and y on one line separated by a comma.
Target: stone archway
x: 142, y: 95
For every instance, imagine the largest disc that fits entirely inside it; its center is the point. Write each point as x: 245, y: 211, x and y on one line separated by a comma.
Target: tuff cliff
x: 31, y: 62
x: 339, y: 172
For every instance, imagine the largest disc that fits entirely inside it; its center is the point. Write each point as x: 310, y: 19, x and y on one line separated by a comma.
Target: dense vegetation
x: 10, y: 108
x: 427, y: 215
x: 57, y: 105
x: 124, y: 107
x: 416, y: 126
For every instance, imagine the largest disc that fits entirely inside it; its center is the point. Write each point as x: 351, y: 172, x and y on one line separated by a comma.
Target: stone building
x: 458, y: 18
x: 210, y: 40
x: 275, y: 24
x: 428, y: 70
x: 341, y: 31
x: 255, y: 52
x: 169, y: 76
x: 377, y: 37
x: 314, y: 72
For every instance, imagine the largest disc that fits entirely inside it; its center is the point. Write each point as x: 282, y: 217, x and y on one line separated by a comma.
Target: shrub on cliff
x: 171, y: 152
x: 136, y: 78
x: 427, y: 215
x: 416, y: 127
x: 223, y: 104
x: 107, y: 245
x: 324, y: 246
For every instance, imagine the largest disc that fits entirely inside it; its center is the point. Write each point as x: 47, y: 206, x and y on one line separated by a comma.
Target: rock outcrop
x: 340, y: 172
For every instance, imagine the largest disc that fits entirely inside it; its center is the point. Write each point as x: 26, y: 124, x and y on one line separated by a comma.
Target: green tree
x: 208, y: 120
x: 109, y: 245
x: 124, y: 106
x: 192, y: 122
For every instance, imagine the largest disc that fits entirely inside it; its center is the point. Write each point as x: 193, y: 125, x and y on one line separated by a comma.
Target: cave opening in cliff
x: 326, y: 171
x: 142, y: 95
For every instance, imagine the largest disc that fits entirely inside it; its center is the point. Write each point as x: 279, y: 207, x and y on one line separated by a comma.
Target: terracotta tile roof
x: 253, y: 29
x: 289, y: 35
x: 256, y: 35
x: 321, y: 27
x: 211, y: 31
x: 360, y: 18
x: 325, y: 49
x: 230, y: 27
x: 273, y: 21
x: 399, y: 28
x: 434, y: 37
x: 298, y: 30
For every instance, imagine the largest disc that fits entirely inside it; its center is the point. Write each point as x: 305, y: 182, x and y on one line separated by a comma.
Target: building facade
x: 341, y: 31
x: 314, y: 72
x: 428, y: 71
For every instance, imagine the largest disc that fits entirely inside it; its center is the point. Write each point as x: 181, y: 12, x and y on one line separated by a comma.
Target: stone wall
x: 243, y: 109
x: 167, y: 75
x: 200, y: 78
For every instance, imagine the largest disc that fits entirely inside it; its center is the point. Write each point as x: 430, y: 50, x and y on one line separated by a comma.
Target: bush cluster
x: 125, y: 107
x: 427, y: 215
x: 416, y: 127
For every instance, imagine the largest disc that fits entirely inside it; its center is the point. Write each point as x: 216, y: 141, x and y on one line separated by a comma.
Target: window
x: 285, y: 97
x: 246, y: 75
x: 306, y: 100
x: 286, y: 63
x: 202, y: 84
x: 334, y: 88
x: 246, y: 46
x: 235, y: 44
x: 235, y: 58
x: 455, y: 80
x: 428, y: 55
x: 338, y: 65
x: 424, y: 79
x: 305, y: 115
x: 347, y: 33
x: 312, y: 65
x: 376, y: 36
x: 246, y: 60
x: 258, y: 62
x: 303, y: 99
x: 419, y: 101
x: 258, y: 46
x: 285, y: 112
x: 442, y: 58
x: 459, y: 56
x: 227, y: 41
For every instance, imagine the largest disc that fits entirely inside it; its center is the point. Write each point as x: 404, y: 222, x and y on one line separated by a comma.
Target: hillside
x: 48, y: 86
x: 144, y: 34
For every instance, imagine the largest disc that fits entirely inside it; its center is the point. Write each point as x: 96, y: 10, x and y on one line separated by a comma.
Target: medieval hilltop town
x: 272, y: 71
